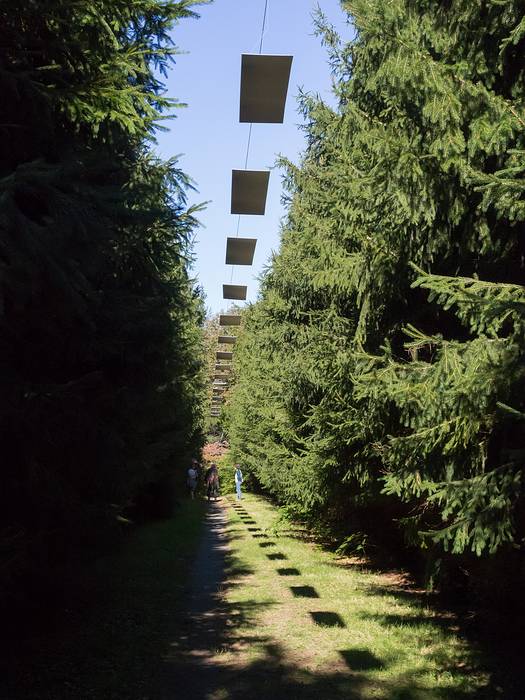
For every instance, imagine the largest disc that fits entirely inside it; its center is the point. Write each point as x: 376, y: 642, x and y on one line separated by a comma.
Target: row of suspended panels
x: 264, y: 86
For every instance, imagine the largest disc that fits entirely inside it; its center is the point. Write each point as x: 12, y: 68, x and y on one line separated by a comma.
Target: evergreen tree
x: 382, y: 368
x: 100, y: 342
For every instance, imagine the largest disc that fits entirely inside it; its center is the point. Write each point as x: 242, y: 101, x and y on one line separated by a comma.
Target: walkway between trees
x: 272, y: 616
x: 265, y: 614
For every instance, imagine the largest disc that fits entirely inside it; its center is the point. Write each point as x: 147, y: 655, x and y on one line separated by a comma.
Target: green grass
x: 295, y: 622
x: 109, y: 643
x: 312, y: 624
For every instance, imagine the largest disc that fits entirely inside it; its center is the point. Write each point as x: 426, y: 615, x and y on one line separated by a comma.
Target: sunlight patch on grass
x: 350, y: 623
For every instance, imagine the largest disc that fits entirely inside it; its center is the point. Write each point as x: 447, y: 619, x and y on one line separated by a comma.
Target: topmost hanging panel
x: 264, y: 84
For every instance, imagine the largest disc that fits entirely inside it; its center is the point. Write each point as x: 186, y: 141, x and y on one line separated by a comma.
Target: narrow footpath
x: 189, y: 669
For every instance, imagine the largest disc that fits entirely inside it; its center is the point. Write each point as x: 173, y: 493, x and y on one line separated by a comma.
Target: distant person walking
x: 212, y: 482
x: 238, y: 481
x: 198, y: 468
x: 192, y: 477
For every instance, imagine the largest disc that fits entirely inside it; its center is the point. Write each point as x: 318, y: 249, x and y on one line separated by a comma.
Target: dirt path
x: 189, y: 671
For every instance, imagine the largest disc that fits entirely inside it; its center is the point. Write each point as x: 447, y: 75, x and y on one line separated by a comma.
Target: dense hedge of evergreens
x: 100, y: 340
x: 380, y: 378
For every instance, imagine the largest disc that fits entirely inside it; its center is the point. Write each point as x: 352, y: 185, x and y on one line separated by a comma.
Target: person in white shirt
x: 238, y: 481
x: 192, y: 480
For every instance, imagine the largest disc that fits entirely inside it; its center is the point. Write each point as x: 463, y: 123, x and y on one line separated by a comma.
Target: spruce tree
x: 100, y: 342
x: 387, y: 347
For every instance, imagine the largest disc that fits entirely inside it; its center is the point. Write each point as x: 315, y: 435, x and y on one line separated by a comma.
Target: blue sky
x: 207, y: 133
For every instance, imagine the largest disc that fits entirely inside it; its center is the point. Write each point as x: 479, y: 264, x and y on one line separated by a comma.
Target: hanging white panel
x: 227, y: 339
x: 264, y: 84
x: 229, y: 320
x: 223, y: 355
x: 225, y: 368
x: 234, y: 291
x: 240, y: 251
x: 249, y: 190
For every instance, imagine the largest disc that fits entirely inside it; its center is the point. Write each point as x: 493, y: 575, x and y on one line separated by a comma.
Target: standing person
x: 198, y: 468
x: 192, y: 477
x: 212, y: 482
x: 238, y: 481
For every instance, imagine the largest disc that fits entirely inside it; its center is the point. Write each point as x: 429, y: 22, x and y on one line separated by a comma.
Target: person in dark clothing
x: 212, y: 482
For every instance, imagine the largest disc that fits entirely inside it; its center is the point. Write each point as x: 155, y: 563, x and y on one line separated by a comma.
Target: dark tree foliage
x: 383, y: 367
x: 101, y: 368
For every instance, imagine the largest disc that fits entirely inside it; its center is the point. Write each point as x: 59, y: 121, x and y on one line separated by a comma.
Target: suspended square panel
x: 227, y: 339
x: 234, y: 291
x: 240, y: 251
x: 249, y: 190
x: 223, y: 367
x: 264, y: 84
x: 229, y: 320
x: 222, y: 355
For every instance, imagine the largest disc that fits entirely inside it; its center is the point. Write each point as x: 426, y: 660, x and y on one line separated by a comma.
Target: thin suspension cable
x: 248, y: 146
x: 251, y: 123
x: 263, y: 25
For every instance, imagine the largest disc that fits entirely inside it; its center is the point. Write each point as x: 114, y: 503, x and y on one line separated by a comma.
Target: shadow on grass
x: 304, y: 592
x: 325, y: 618
x: 289, y: 572
x: 361, y: 660
x: 416, y: 620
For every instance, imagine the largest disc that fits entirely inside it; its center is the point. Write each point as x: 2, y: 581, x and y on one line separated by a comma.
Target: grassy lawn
x: 108, y: 641
x: 309, y: 624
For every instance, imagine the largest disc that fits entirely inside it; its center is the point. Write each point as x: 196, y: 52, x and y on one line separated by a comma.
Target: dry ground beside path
x: 274, y: 616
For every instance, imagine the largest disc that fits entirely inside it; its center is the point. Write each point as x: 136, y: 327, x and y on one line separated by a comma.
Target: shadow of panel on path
x: 325, y: 618
x: 361, y: 660
x: 304, y: 592
x: 253, y: 529
x: 260, y: 535
x: 267, y: 544
x: 276, y: 556
x: 289, y: 572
